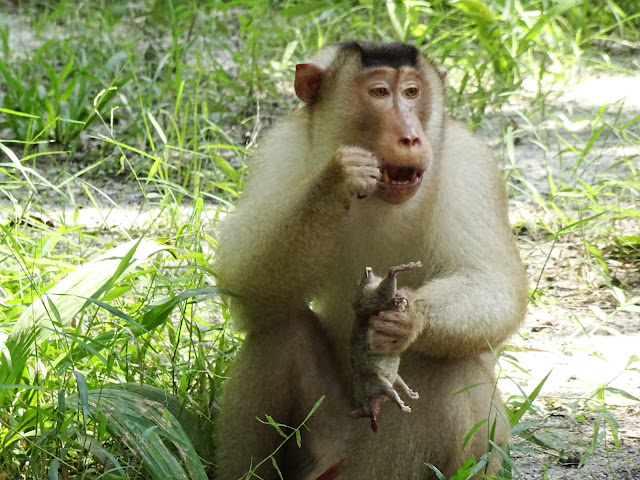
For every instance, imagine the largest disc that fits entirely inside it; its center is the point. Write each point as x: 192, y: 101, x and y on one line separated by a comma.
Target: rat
x: 375, y: 375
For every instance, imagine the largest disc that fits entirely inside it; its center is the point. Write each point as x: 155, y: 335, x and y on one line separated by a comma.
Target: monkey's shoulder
x: 462, y: 146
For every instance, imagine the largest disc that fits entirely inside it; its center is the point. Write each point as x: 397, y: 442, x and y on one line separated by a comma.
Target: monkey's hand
x: 390, y: 332
x: 355, y: 170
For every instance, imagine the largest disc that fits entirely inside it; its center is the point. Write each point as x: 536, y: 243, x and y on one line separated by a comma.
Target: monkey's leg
x: 317, y: 374
x: 282, y: 372
x: 405, y: 388
x: 259, y: 383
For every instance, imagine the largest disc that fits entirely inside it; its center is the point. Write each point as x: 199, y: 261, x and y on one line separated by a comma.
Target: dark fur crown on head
x: 394, y: 55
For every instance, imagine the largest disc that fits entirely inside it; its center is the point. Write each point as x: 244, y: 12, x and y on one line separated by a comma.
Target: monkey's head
x: 386, y: 98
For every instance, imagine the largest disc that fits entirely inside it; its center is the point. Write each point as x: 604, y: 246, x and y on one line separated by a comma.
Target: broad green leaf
x: 138, y: 419
x: 476, y: 9
x: 69, y: 296
x: 558, y: 9
x: 83, y: 394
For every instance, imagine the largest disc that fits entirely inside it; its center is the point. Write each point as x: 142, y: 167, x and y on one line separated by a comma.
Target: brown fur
x: 301, y: 237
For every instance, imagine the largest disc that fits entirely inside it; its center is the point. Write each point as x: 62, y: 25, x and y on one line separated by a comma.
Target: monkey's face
x: 390, y: 123
x: 385, y: 98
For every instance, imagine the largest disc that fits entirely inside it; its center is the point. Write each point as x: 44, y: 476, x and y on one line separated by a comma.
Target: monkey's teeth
x: 399, y: 175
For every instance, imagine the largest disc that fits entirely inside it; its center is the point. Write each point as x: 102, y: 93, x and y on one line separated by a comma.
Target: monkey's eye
x: 378, y: 92
x: 411, y: 92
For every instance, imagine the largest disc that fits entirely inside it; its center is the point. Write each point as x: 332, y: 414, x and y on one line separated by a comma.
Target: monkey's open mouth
x: 401, y: 176
x: 398, y: 184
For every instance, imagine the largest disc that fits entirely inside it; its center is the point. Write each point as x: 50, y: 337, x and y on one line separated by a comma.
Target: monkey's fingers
x: 363, y: 173
x: 359, y: 159
x: 354, y: 157
x: 355, y: 169
x: 389, y: 332
x: 363, y: 170
x: 351, y: 152
x: 360, y: 170
x: 362, y: 186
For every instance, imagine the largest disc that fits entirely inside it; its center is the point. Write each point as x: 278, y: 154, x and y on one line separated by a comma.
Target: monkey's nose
x: 409, y: 142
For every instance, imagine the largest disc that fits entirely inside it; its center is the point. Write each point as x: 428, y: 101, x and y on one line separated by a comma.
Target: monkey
x: 369, y: 171
x: 374, y: 375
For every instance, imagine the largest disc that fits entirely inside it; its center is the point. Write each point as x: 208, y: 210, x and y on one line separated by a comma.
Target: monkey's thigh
x: 280, y: 371
x: 434, y: 431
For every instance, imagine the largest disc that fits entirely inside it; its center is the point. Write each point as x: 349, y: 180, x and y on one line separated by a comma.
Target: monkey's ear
x: 307, y: 82
x: 442, y: 73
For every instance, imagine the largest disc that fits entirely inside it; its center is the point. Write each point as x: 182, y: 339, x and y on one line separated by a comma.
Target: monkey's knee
x: 315, y: 368
x: 316, y: 375
x: 494, y: 431
x: 258, y: 384
x: 281, y: 372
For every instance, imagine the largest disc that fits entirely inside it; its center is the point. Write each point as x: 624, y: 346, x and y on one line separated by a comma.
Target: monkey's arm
x: 275, y: 247
x: 269, y: 254
x: 478, y: 296
x: 460, y: 314
x: 467, y: 313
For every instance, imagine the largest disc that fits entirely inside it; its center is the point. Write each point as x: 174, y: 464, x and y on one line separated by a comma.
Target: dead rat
x: 375, y: 375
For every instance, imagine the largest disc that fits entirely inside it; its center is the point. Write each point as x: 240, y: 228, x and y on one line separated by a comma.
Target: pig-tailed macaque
x: 369, y: 172
x: 375, y: 376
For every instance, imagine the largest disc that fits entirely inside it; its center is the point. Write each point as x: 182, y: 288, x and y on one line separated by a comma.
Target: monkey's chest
x: 379, y: 241
x: 380, y: 238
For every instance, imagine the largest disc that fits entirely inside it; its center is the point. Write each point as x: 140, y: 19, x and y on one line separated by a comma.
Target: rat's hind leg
x: 405, y: 388
x: 390, y: 392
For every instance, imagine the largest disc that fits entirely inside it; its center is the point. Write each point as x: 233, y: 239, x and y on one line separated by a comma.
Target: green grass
x: 162, y: 99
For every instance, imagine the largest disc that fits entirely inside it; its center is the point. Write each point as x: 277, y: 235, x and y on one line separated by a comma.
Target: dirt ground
x: 576, y: 335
